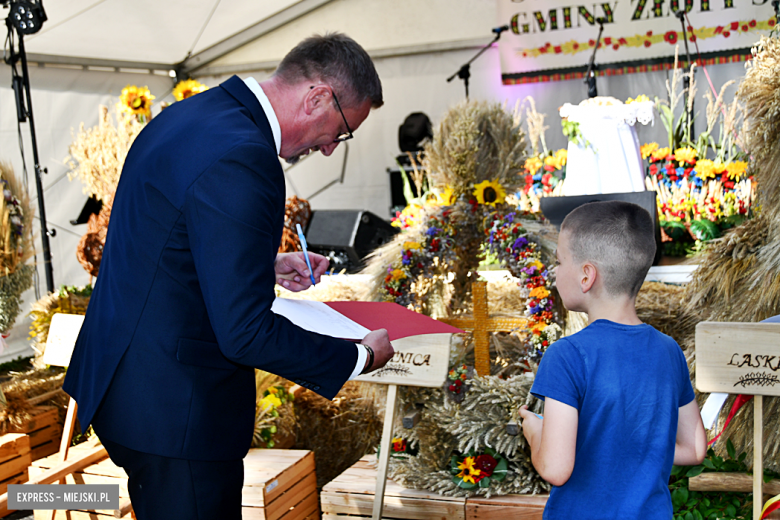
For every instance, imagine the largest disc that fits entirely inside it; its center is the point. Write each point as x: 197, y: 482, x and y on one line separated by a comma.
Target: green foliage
x: 20, y: 364
x: 571, y: 130
x: 711, y: 505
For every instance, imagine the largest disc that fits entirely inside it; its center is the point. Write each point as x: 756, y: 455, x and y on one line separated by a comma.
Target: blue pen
x: 305, y: 252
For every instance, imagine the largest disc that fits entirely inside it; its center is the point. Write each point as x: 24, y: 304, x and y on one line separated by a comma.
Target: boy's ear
x: 588, y: 277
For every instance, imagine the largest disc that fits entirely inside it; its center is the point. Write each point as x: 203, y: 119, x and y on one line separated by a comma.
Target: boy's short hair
x: 618, y: 237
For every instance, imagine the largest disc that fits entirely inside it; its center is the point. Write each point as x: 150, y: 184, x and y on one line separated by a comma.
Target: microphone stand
x: 464, y: 72
x: 590, y: 75
x: 23, y: 112
x: 687, y: 75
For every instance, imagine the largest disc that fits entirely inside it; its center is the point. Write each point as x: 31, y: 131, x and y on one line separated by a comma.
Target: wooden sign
x: 418, y: 361
x: 63, y: 331
x: 738, y: 358
x: 741, y: 358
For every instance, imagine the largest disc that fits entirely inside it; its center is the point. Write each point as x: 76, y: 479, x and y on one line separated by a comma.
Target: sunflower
x: 447, y: 198
x: 468, y: 471
x: 187, y: 88
x: 136, y: 101
x: 490, y: 193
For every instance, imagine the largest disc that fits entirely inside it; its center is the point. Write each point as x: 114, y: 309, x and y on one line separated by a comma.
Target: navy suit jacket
x: 181, y: 311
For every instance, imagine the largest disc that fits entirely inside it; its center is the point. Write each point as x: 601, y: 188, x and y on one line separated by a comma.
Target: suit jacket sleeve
x: 232, y: 213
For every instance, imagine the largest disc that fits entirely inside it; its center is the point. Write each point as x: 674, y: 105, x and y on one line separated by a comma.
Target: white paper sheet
x: 711, y: 409
x: 318, y: 317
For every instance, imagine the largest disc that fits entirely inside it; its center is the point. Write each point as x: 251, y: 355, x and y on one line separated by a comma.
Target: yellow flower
x: 270, y: 402
x: 187, y: 88
x: 273, y: 389
x: 638, y: 99
x: 719, y: 167
x: 736, y: 169
x: 661, y: 153
x: 490, y: 193
x: 537, y: 327
x: 447, y: 198
x: 537, y: 264
x: 706, y: 169
x: 468, y: 471
x: 136, y: 101
x: 683, y: 155
x: 411, y: 245
x: 647, y: 149
x: 397, y: 274
x: 532, y: 165
x: 562, y: 155
x: 539, y: 292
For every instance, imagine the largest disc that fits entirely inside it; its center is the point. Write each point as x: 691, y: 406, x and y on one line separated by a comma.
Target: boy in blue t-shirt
x: 619, y: 407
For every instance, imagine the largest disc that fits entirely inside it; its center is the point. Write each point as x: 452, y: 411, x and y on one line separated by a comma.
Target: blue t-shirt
x: 627, y: 382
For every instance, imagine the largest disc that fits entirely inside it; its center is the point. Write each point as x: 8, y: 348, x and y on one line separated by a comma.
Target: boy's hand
x: 553, y: 441
x: 532, y: 427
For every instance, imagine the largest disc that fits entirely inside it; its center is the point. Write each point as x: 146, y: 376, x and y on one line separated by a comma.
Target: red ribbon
x: 739, y: 402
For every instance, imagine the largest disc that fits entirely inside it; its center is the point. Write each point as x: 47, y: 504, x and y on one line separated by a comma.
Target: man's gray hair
x: 618, y: 238
x: 338, y: 60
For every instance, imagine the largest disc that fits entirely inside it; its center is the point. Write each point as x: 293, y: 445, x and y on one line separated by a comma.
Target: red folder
x: 399, y: 321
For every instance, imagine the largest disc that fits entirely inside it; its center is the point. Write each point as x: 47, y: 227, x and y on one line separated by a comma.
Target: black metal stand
x: 590, y: 75
x: 464, y: 72
x: 24, y: 112
x: 776, y: 5
x: 687, y: 75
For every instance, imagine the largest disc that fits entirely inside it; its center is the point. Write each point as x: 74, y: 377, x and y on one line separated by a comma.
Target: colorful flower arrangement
x: 510, y: 242
x: 544, y: 172
x: 470, y: 471
x: 417, y: 258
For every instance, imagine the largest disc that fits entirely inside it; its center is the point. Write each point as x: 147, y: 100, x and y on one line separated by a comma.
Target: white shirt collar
x: 255, y: 87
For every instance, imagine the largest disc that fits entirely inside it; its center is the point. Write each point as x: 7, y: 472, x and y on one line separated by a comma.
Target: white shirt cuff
x: 361, y: 361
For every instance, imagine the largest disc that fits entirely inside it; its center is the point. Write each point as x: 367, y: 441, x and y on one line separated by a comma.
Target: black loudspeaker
x: 346, y: 237
x: 555, y: 209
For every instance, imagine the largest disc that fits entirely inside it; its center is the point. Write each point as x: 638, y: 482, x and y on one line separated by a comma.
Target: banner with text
x: 554, y: 39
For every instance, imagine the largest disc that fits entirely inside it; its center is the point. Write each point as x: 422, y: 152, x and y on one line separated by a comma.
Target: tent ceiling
x: 153, y: 32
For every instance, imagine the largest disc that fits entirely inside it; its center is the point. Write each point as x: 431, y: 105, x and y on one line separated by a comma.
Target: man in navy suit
x: 181, y: 314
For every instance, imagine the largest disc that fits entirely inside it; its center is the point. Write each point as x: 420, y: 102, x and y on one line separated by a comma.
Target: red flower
x: 549, y: 167
x: 548, y: 45
x: 670, y: 37
x: 591, y: 42
x: 615, y: 47
x: 734, y: 26
x: 543, y: 50
x: 485, y: 464
x: 623, y: 41
x: 726, y: 34
x: 399, y: 446
x: 771, y: 22
x: 608, y: 40
x: 649, y: 33
x: 525, y: 55
x: 752, y: 23
x: 558, y: 49
x: 744, y: 27
x: 647, y: 43
x: 653, y: 169
x: 692, y: 37
x: 576, y: 46
x: 546, y: 179
x: 719, y: 29
x: 545, y: 343
x: 729, y: 184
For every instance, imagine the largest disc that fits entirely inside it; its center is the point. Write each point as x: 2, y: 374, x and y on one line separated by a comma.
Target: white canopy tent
x: 88, y: 50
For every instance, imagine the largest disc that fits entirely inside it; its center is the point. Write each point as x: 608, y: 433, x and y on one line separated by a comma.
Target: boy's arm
x: 691, y: 444
x: 553, y: 441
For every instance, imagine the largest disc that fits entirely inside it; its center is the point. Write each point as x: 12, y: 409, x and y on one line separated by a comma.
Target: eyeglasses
x: 348, y: 134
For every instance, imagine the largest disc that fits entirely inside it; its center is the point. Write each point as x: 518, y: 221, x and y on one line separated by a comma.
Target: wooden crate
x: 279, y: 484
x: 15, y: 460
x: 103, y: 472
x: 351, y: 496
x: 508, y: 507
x: 44, y: 429
x: 352, y: 493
